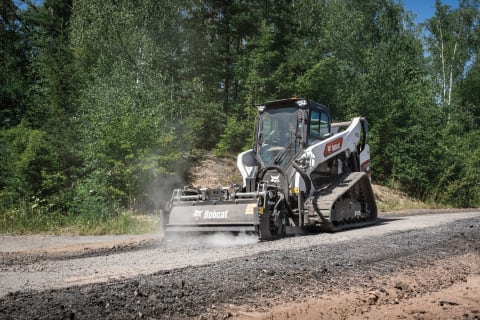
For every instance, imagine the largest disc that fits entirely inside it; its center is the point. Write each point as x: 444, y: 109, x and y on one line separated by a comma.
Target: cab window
x: 318, y: 126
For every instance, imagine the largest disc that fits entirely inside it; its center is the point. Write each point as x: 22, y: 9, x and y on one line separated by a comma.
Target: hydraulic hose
x: 305, y: 177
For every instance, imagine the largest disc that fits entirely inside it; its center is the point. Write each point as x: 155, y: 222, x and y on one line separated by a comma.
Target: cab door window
x: 318, y: 126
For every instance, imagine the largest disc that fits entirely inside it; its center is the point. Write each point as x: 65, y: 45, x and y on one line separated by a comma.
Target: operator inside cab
x: 278, y: 131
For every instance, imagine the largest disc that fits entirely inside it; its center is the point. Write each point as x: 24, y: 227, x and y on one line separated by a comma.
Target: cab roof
x: 301, y: 103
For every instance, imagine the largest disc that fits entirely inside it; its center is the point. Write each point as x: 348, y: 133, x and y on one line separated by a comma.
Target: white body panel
x: 247, y: 165
x: 319, y: 152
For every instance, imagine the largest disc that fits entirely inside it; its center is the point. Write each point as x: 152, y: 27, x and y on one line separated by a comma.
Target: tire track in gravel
x: 83, y: 250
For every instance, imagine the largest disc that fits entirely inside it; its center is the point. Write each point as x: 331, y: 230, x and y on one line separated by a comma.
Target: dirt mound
x: 213, y: 172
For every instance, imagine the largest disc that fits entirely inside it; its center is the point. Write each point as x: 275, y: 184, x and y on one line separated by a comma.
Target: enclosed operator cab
x: 286, y: 127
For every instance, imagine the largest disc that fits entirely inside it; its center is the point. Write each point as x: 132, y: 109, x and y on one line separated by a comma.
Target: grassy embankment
x: 393, y: 200
x: 36, y: 220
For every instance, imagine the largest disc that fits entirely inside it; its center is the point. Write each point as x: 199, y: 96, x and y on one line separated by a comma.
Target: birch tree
x: 449, y: 39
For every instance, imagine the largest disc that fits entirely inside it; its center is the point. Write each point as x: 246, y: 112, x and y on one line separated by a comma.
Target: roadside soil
x: 434, y: 292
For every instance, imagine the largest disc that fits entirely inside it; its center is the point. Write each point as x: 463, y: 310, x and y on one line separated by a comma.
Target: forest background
x: 105, y: 103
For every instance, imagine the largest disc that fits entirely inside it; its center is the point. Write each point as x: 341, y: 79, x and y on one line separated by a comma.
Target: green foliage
x: 234, y: 137
x: 321, y: 82
x: 458, y: 183
x: 205, y: 126
x: 14, y: 82
x: 264, y: 68
x: 467, y: 112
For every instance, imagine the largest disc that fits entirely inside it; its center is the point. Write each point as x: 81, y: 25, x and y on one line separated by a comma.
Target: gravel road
x: 219, y: 277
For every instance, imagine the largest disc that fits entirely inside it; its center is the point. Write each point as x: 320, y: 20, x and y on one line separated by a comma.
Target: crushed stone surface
x: 421, y: 266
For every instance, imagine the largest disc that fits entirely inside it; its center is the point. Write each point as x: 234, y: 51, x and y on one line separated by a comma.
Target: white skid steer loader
x: 303, y: 174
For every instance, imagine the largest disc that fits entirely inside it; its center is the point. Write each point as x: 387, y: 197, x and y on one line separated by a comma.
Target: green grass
x: 34, y: 222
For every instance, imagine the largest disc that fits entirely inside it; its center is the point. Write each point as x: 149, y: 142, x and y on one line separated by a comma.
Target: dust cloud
x: 208, y: 240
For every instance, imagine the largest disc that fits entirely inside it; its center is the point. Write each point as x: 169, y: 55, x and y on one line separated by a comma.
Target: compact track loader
x: 303, y: 174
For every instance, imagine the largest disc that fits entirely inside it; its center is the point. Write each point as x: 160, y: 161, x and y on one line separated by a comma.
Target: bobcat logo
x: 275, y: 179
x: 208, y: 215
x: 197, y: 214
